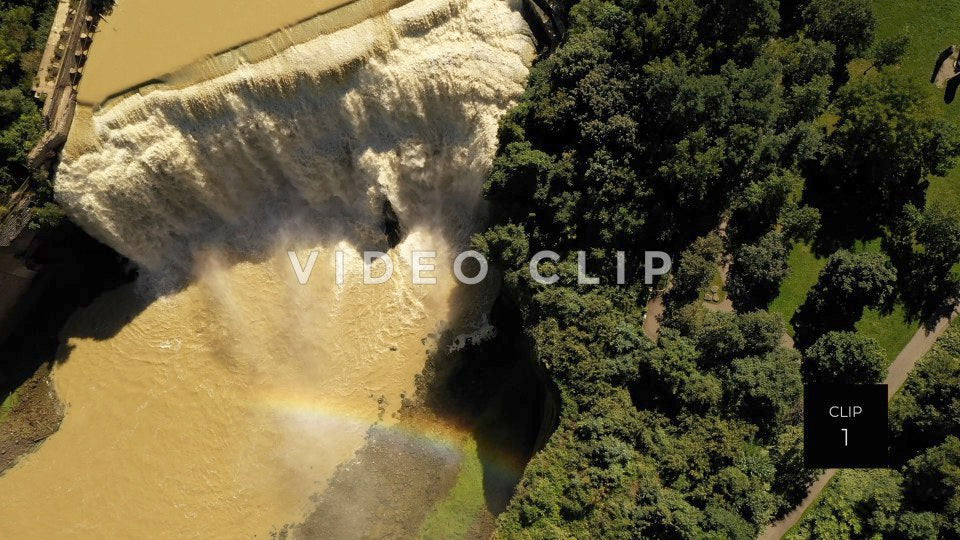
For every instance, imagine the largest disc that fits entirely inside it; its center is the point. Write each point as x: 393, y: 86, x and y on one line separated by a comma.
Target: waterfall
x: 220, y: 407
x: 309, y: 142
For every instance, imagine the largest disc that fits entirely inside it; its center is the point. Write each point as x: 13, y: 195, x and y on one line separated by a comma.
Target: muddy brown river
x: 217, y: 395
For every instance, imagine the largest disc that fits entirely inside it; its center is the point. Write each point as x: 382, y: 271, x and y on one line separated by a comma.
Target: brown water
x: 219, y: 408
x: 150, y: 39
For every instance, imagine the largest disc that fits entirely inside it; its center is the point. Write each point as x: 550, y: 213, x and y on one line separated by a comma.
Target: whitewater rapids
x: 217, y: 408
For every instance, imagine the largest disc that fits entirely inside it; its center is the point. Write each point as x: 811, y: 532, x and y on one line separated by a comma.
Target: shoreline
x: 73, y: 269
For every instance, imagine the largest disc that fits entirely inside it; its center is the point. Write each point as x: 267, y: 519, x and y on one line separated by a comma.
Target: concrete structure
x: 49, y: 66
x: 66, y: 49
x: 60, y: 70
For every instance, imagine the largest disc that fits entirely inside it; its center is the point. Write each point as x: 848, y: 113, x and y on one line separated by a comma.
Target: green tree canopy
x: 845, y: 358
x: 847, y: 285
x: 885, y: 143
x: 925, y: 248
x: 757, y: 272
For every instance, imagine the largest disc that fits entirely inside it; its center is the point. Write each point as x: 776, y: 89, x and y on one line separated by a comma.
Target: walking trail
x: 921, y: 342
x: 897, y: 374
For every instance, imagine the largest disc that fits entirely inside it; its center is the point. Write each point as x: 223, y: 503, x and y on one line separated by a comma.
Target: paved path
x: 921, y: 342
x: 780, y: 528
x: 45, y: 84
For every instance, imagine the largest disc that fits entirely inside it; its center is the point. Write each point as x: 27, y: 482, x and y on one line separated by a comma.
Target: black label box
x: 845, y: 426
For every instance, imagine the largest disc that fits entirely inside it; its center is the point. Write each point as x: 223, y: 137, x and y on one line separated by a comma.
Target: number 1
x: 844, y: 430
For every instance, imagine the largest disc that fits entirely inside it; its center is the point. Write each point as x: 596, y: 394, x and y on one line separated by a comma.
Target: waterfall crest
x: 308, y: 143
x: 219, y: 408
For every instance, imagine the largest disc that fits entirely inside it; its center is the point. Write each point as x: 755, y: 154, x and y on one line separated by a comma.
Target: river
x: 217, y: 395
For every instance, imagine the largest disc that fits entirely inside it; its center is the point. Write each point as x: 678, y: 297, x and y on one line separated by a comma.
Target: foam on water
x: 177, y: 420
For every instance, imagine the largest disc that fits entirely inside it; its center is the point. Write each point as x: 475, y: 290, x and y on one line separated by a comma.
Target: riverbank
x: 72, y: 270
x: 28, y: 415
x: 452, y: 463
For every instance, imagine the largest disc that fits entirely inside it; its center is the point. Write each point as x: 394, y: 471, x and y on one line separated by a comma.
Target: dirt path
x: 651, y: 321
x: 921, y: 342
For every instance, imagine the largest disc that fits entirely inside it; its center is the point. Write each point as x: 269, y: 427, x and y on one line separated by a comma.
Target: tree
x: 932, y: 479
x: 917, y: 526
x: 650, y: 123
x: 886, y: 141
x: 925, y: 248
x: 927, y: 409
x: 757, y: 272
x: 793, y: 477
x: 739, y: 29
x: 698, y: 266
x: 20, y: 121
x: 757, y: 208
x: 848, y: 24
x: 723, y: 337
x: 47, y: 217
x: 858, y: 504
x: 888, y: 51
x: 764, y: 390
x: 16, y: 33
x: 806, y: 65
x: 20, y: 126
x: 671, y: 380
x: 845, y: 357
x: 847, y: 285
x: 800, y: 223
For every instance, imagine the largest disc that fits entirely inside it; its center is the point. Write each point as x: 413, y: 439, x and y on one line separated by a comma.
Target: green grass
x: 944, y: 192
x: 931, y: 27
x: 453, y: 516
x: 804, y: 269
x: 717, y: 282
x: 8, y: 404
x: 892, y: 331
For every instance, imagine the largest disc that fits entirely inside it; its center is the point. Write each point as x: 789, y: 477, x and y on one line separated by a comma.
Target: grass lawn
x: 804, y: 269
x: 892, y: 331
x: 453, y: 516
x: 931, y: 26
x: 944, y: 192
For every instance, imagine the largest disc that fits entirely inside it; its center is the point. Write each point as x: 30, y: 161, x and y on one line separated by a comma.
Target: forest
x: 734, y: 135
x: 919, y: 496
x: 24, y: 25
